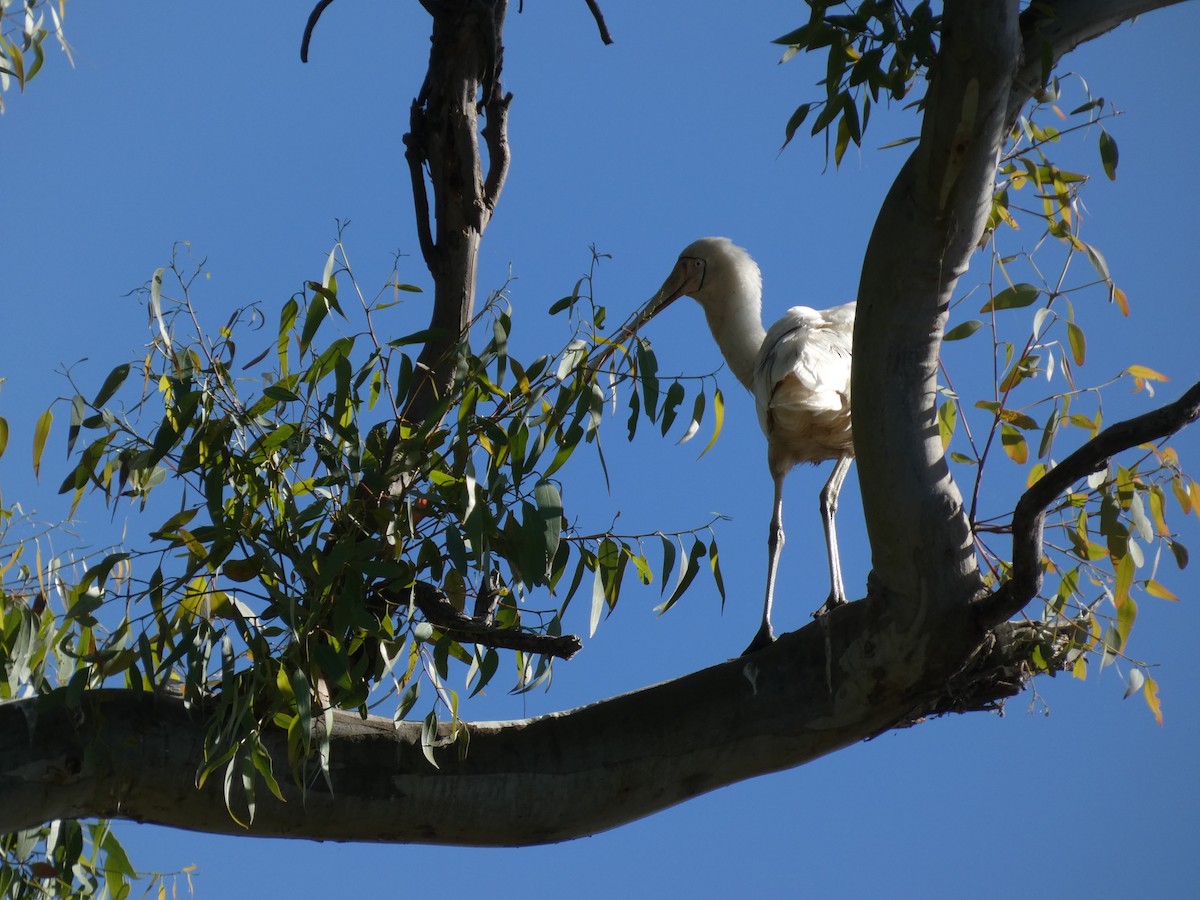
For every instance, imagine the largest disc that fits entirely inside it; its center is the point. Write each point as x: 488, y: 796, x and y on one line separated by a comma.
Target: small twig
x: 1029, y: 516
x: 599, y: 17
x: 441, y: 614
x: 321, y: 6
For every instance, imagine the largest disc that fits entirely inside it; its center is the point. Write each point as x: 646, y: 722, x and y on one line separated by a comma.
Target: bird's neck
x: 738, y: 330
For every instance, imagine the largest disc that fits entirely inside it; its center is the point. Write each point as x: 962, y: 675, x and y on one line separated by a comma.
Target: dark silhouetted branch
x: 1029, y: 516
x: 321, y: 6
x: 442, y: 615
x: 600, y: 23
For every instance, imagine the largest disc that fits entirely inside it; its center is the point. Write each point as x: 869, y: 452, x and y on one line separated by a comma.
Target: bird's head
x: 708, y: 270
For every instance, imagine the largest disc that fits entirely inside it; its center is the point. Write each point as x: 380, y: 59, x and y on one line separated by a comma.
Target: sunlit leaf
x: 1156, y: 589
x: 1152, y: 699
x: 947, y: 419
x: 1145, y: 373
x: 718, y: 419
x: 1126, y: 616
x: 1014, y: 444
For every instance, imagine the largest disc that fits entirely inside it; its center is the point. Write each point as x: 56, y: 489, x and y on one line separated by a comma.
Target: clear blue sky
x: 197, y: 122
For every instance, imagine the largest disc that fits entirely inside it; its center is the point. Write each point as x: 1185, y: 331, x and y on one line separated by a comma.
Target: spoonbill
x: 799, y: 374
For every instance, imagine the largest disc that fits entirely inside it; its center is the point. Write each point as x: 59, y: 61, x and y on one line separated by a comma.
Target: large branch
x: 927, y: 229
x: 1053, y: 28
x: 135, y: 755
x: 1030, y: 514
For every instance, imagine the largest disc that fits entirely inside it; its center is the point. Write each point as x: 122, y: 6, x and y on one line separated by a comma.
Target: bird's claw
x: 765, y: 638
x: 829, y: 606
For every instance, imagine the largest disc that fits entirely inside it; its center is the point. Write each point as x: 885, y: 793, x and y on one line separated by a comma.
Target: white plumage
x: 798, y: 372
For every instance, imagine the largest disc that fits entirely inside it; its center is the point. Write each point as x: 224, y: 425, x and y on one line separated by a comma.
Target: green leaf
x: 40, y: 433
x: 1108, y: 154
x: 1015, y: 297
x: 668, y: 546
x: 1180, y: 553
x: 1078, y: 343
x: 670, y: 406
x: 947, y: 419
x: 796, y: 120
x: 429, y: 730
x: 714, y: 562
x: 241, y: 570
x: 963, y: 330
x: 3, y: 434
x: 687, y: 573
x: 719, y: 417
x: 1014, y: 444
x: 114, y: 380
x: 1125, y: 571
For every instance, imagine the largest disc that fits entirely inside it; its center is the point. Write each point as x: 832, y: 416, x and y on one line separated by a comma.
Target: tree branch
x: 463, y: 80
x: 134, y: 755
x: 1054, y: 28
x: 321, y: 6
x: 441, y: 613
x: 927, y: 229
x: 599, y: 17
x: 1029, y: 516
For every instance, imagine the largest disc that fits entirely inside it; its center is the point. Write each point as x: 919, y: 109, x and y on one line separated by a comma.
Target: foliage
x: 1112, y: 529
x: 874, y: 48
x: 74, y: 859
x: 23, y: 32
x: 1099, y: 566
x: 295, y: 570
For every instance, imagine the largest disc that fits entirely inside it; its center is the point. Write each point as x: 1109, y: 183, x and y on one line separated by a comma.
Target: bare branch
x: 599, y: 17
x: 1029, y: 516
x: 440, y: 613
x: 321, y: 6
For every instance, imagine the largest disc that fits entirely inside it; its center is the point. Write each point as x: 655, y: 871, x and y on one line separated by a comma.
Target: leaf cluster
x: 313, y: 548
x: 22, y: 50
x: 1104, y: 540
x: 873, y: 49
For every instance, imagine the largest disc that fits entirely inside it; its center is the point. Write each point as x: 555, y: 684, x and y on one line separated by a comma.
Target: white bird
x: 798, y: 372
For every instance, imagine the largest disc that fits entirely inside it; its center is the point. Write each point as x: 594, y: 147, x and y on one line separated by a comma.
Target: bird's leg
x: 766, y: 636
x: 829, y: 499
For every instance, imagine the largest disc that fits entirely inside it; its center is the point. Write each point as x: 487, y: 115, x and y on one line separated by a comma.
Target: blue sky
x: 182, y: 122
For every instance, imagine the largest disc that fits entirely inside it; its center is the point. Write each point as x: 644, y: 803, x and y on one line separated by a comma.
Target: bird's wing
x: 812, y: 346
x: 802, y: 383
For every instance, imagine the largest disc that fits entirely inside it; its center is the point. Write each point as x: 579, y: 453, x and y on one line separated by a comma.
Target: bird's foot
x: 764, y: 638
x: 829, y: 606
